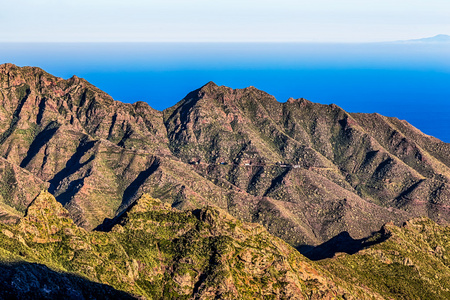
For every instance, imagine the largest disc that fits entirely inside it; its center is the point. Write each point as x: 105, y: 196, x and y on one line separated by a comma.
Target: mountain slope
x: 160, y: 252
x: 349, y: 168
x: 411, y: 263
x: 18, y: 188
x: 55, y: 128
x: 305, y: 171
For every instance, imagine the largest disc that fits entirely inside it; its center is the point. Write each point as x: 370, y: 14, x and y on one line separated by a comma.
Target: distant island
x: 440, y: 38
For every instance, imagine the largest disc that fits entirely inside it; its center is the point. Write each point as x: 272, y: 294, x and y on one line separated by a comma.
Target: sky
x: 222, y: 20
x: 406, y: 80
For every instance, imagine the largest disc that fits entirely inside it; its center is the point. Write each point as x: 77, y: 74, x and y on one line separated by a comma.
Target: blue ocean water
x: 410, y: 81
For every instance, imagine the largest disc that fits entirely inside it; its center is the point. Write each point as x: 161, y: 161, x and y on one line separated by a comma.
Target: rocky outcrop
x: 18, y: 188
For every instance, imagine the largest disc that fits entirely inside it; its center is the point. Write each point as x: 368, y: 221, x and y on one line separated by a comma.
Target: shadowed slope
x: 22, y: 280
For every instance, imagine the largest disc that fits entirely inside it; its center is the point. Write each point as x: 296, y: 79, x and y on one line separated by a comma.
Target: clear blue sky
x: 222, y: 21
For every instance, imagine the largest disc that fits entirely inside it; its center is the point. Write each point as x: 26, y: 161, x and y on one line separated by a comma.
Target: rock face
x: 18, y: 188
x: 75, y: 137
x: 157, y: 252
x: 305, y: 171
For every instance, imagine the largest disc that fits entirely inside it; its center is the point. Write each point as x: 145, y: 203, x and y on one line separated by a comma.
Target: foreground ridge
x: 158, y: 252
x: 412, y: 264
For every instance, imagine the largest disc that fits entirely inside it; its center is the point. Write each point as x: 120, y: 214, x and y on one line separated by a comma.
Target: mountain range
x: 319, y: 178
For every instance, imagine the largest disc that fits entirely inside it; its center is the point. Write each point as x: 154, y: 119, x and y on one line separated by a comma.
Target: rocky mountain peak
x: 46, y: 204
x: 45, y: 219
x: 208, y: 90
x: 210, y: 85
x: 147, y: 203
x: 299, y: 101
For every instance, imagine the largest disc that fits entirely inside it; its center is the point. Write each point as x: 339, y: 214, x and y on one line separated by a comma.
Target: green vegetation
x: 411, y: 264
x: 161, y: 253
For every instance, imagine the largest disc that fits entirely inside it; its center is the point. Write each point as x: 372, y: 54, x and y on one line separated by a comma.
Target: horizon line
x: 427, y: 39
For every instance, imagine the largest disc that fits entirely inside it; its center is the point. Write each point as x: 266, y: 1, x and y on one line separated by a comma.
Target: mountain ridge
x: 157, y: 251
x: 305, y: 171
x: 160, y: 252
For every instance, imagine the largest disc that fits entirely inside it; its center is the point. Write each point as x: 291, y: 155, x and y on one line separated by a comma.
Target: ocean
x: 410, y: 81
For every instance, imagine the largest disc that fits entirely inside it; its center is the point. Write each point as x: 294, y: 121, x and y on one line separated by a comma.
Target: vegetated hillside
x: 411, y: 263
x: 157, y: 252
x: 305, y: 171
